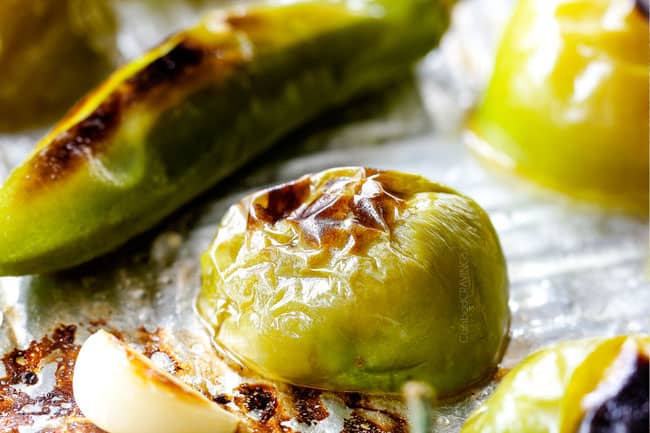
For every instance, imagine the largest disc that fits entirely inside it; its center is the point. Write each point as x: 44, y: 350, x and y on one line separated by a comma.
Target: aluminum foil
x: 575, y: 270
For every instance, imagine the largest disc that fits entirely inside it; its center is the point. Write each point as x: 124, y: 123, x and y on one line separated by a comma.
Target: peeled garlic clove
x: 121, y: 391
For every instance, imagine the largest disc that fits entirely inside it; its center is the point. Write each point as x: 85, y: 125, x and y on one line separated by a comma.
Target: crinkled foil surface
x: 574, y: 270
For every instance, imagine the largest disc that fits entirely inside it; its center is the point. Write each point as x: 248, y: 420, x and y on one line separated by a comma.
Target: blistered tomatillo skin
x: 567, y: 105
x: 585, y: 386
x: 356, y: 279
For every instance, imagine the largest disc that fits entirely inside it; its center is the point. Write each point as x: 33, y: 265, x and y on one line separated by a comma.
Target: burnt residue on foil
x: 36, y: 386
x: 36, y: 389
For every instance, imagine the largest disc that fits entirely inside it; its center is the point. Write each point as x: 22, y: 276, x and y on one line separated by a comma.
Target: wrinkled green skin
x: 49, y: 57
x: 272, y: 69
x: 425, y: 299
x: 544, y: 393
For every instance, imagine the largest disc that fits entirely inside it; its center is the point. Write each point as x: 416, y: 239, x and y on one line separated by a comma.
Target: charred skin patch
x: 643, y: 7
x: 166, y: 69
x: 70, y: 148
x: 320, y: 215
x: 90, y: 136
x: 278, y: 203
x: 627, y: 411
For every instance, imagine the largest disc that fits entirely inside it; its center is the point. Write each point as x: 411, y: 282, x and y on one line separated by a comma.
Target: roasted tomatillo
x: 588, y: 386
x: 356, y: 279
x: 567, y: 105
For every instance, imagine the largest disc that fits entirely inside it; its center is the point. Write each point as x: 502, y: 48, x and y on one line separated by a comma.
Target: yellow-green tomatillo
x: 584, y: 386
x: 357, y: 279
x: 567, y: 105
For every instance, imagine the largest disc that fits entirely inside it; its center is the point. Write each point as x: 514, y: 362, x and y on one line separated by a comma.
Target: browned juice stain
x: 357, y: 423
x: 259, y: 398
x: 308, y: 406
x: 17, y: 407
x: 360, y: 422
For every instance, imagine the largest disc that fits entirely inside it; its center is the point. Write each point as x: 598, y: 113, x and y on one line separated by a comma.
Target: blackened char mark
x: 91, y: 135
x: 627, y: 411
x: 258, y: 398
x: 84, y: 139
x: 165, y: 69
x: 222, y: 399
x: 320, y: 215
x: 642, y: 6
x: 21, y: 408
x: 281, y: 201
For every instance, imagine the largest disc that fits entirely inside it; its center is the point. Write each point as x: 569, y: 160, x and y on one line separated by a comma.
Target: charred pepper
x: 172, y: 123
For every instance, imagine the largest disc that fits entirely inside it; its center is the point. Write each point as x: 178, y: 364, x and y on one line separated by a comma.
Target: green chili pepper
x: 191, y: 111
x: 356, y: 279
x: 586, y: 386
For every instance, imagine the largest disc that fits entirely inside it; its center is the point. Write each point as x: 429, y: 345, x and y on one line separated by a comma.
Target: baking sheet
x: 574, y: 269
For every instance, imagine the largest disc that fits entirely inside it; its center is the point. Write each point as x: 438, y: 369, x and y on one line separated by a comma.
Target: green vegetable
x: 51, y: 52
x: 586, y: 386
x: 359, y: 280
x: 567, y: 105
x: 183, y: 116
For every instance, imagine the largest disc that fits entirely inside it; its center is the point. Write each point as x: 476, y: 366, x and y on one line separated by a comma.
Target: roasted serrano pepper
x: 172, y: 123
